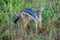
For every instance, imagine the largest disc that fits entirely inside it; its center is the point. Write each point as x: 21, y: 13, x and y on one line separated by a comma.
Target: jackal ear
x: 40, y: 12
x: 42, y: 9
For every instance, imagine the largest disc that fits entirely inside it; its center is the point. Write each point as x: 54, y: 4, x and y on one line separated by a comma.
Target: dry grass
x: 50, y: 20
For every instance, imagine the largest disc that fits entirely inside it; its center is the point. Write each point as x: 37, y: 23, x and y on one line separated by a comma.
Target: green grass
x: 50, y: 19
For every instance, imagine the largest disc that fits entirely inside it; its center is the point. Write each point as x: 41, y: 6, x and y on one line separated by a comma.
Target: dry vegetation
x: 50, y: 20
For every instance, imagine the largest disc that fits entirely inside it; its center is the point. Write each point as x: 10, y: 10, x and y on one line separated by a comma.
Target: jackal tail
x: 16, y: 18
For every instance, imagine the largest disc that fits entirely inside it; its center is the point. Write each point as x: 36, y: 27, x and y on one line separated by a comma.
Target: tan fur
x: 25, y: 19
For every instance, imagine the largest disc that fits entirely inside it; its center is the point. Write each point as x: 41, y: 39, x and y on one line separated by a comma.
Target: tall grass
x: 50, y: 20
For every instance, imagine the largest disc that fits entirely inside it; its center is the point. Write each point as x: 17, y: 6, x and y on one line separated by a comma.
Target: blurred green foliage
x: 8, y: 8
